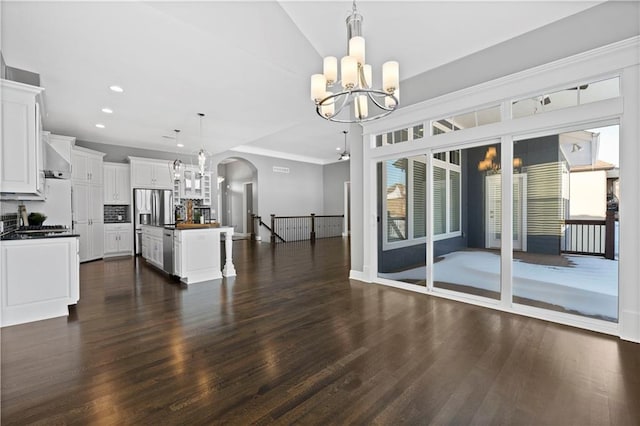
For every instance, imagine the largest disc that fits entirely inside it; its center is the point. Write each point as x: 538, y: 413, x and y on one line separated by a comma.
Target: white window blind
x: 419, y: 199
x: 454, y: 201
x: 439, y: 200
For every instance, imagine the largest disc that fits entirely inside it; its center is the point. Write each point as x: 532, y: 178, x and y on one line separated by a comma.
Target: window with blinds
x: 419, y: 199
x: 396, y: 199
x: 454, y: 200
x: 439, y: 200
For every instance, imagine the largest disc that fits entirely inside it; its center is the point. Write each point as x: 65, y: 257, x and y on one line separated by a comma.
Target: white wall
x: 334, y: 177
x: 588, y: 195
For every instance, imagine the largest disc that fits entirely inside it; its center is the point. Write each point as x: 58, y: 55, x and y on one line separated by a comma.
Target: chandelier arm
x: 379, y: 105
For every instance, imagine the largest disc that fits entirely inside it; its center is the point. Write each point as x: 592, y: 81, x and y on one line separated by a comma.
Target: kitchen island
x: 196, y: 251
x: 40, y: 277
x: 197, y: 254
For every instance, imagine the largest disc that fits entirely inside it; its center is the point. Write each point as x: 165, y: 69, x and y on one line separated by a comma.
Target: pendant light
x: 177, y: 165
x: 345, y: 154
x: 202, y: 153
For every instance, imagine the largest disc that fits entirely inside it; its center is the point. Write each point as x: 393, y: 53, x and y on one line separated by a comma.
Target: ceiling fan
x: 345, y: 154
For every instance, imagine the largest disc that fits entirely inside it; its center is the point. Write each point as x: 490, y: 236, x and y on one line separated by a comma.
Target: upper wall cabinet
x: 21, y: 149
x: 148, y: 173
x: 117, y: 183
x: 86, y: 166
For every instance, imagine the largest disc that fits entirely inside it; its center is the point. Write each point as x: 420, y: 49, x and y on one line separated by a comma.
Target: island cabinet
x: 197, y: 254
x: 152, y: 245
x: 39, y: 279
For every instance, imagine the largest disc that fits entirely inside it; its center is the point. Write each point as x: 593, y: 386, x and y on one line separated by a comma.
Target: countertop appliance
x: 167, y: 251
x: 150, y: 207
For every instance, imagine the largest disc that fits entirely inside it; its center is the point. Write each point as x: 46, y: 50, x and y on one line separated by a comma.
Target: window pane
x: 465, y: 121
x: 454, y: 157
x: 564, y: 212
x: 525, y: 107
x: 442, y: 156
x: 600, y: 90
x: 454, y: 201
x: 379, y: 140
x: 396, y: 193
x: 439, y: 200
x: 561, y: 99
x: 418, y: 131
x: 488, y: 115
x: 467, y: 259
x: 419, y: 199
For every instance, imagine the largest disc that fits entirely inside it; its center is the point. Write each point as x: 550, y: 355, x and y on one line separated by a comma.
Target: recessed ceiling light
x: 116, y: 88
x: 100, y: 126
x: 338, y: 149
x: 107, y: 110
x: 180, y: 145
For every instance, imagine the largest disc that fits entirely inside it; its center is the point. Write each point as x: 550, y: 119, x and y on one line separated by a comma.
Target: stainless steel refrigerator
x: 151, y: 207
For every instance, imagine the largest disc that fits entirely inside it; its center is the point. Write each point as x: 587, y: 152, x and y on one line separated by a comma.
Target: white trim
x: 551, y: 76
x: 247, y: 149
x: 358, y: 275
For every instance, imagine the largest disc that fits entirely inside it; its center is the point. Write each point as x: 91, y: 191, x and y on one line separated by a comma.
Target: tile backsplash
x: 116, y: 214
x: 9, y: 222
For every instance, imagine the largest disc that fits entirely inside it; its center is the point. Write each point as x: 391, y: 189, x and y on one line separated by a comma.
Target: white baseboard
x: 358, y: 275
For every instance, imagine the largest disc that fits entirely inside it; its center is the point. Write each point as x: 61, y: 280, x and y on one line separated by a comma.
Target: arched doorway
x: 237, y: 194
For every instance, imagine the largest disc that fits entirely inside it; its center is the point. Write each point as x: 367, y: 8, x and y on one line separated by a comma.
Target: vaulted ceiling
x: 246, y: 65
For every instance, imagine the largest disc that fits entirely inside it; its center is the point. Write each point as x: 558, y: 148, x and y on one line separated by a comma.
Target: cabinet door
x: 163, y: 177
x: 110, y: 185
x: 125, y: 241
x: 18, y: 149
x: 111, y: 242
x: 96, y: 232
x: 96, y: 206
x: 81, y: 196
x: 94, y: 165
x: 142, y: 175
x: 85, y: 244
x: 79, y: 167
x: 122, y: 185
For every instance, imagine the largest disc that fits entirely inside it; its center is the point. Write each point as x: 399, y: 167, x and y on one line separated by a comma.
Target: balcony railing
x: 593, y: 237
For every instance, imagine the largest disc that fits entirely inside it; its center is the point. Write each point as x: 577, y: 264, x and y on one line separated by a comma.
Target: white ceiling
x: 246, y: 65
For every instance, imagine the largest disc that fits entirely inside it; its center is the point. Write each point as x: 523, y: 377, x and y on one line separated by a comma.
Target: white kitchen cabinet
x: 86, y: 166
x: 193, y: 186
x: 117, y: 183
x: 118, y: 239
x: 21, y: 149
x: 40, y: 278
x: 148, y: 173
x: 88, y: 206
x: 152, y: 245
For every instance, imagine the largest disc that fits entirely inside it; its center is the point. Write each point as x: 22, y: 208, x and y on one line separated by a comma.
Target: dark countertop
x: 117, y: 222
x: 37, y: 236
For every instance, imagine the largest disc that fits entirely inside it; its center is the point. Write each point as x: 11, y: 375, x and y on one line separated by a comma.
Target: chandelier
x: 355, y: 87
x: 345, y: 154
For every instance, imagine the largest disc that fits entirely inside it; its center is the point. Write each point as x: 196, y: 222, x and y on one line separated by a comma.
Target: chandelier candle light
x: 356, y: 82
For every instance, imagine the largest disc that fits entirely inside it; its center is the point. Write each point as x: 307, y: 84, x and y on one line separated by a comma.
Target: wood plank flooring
x: 292, y: 340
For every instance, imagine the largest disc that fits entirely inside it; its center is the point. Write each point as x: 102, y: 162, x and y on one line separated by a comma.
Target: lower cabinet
x: 91, y: 240
x: 40, y: 278
x: 152, y: 245
x: 118, y: 239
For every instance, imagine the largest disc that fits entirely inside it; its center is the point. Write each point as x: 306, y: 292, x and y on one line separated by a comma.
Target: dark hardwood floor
x: 292, y: 340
